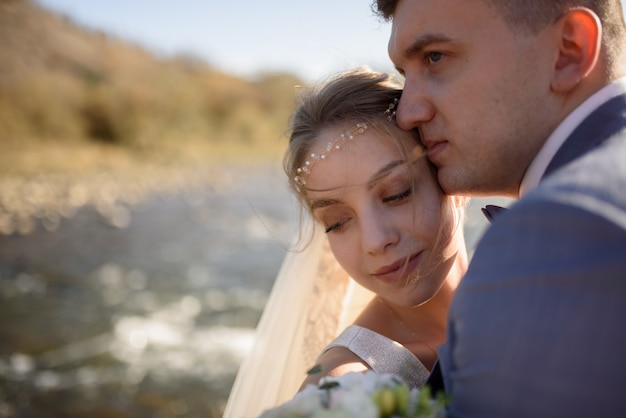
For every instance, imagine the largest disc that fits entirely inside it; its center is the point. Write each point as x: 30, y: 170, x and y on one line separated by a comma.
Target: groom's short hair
x: 531, y: 16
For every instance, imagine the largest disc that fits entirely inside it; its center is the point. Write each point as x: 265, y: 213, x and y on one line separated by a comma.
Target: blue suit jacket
x: 538, y: 325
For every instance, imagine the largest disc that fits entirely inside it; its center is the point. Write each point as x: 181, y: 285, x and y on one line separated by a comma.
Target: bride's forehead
x: 358, y: 174
x: 361, y: 157
x: 371, y: 139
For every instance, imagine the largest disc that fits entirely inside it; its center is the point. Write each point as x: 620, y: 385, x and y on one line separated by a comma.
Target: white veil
x: 311, y: 301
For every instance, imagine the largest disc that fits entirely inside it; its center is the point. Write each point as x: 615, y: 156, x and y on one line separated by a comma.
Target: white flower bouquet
x: 360, y: 395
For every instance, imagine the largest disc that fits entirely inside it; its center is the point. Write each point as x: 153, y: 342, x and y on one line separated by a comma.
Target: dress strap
x: 382, y: 354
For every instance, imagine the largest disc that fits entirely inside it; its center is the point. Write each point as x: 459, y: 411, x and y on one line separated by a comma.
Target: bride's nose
x: 378, y: 234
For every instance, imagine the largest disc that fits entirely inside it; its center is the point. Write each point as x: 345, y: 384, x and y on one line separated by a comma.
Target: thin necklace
x: 405, y: 326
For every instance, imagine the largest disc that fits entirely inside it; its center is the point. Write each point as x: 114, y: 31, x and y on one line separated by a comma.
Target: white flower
x: 357, y: 395
x: 304, y: 405
x: 356, y: 403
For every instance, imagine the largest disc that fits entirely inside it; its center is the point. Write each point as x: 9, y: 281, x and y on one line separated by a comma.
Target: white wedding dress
x: 311, y: 302
x: 382, y: 355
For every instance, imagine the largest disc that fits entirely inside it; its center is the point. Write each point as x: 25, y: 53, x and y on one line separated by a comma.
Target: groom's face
x: 477, y: 90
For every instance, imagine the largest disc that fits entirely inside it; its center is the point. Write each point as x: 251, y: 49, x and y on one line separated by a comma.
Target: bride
x: 373, y: 294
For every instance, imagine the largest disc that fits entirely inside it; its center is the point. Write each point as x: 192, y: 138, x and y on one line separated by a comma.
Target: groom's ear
x: 580, y: 33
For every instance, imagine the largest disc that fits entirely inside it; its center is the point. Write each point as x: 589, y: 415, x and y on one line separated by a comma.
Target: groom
x: 525, y: 98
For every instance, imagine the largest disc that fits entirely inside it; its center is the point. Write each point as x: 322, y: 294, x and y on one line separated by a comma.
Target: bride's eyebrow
x: 322, y: 203
x: 379, y: 175
x: 383, y: 172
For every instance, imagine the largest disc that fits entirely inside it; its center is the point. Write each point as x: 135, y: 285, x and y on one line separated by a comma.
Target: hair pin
x: 391, y: 110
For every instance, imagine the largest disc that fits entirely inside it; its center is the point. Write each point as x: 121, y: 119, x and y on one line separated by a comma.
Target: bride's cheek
x: 343, y: 251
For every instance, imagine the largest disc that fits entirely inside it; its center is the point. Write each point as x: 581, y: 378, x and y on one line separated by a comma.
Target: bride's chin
x: 415, y: 294
x: 419, y: 297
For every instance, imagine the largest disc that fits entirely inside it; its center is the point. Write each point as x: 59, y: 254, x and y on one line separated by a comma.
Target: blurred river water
x: 138, y: 295
x: 127, y: 297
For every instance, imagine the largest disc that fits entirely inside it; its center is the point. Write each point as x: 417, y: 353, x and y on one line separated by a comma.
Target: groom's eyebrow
x: 421, y: 42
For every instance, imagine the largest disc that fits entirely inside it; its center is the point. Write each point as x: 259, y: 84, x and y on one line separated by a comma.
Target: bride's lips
x: 398, y: 269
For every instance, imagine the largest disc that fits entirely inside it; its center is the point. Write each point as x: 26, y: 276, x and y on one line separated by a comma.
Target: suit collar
x: 604, y: 122
x: 545, y: 158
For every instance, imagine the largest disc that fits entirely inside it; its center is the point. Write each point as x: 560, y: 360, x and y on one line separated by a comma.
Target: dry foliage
x: 78, y: 92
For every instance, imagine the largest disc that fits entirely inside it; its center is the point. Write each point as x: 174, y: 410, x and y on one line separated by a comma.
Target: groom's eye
x: 434, y: 57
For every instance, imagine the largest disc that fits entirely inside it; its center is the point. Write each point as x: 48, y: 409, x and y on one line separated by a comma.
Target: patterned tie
x: 492, y: 211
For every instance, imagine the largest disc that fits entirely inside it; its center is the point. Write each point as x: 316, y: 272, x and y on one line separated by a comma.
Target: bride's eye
x: 396, y: 198
x: 334, y: 219
x: 336, y: 226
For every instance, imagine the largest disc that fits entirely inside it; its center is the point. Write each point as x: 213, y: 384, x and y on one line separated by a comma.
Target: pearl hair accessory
x: 391, y: 110
x: 337, y: 144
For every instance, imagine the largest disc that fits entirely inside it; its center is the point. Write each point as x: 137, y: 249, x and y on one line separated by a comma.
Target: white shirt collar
x: 540, y: 163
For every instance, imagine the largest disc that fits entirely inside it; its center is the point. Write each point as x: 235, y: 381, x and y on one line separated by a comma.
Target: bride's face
x: 383, y: 215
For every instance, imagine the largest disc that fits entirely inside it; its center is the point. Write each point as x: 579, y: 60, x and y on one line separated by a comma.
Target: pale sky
x: 311, y: 38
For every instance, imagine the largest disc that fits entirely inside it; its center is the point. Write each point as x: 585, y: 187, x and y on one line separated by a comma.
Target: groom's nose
x: 414, y: 108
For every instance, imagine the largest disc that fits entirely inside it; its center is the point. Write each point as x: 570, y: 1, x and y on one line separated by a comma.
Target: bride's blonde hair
x: 355, y: 96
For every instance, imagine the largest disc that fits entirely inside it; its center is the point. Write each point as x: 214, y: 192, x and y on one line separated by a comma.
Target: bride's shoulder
x: 335, y: 361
